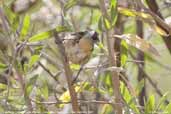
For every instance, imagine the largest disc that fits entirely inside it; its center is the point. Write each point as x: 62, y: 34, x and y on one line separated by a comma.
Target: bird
x: 79, y: 47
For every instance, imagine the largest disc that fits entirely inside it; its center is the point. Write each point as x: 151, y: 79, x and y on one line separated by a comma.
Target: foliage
x: 32, y: 75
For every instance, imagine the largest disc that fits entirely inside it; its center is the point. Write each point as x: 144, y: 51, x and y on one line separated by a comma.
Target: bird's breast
x: 86, y: 44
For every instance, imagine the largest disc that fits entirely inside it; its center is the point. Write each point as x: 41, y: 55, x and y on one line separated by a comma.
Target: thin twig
x: 79, y: 101
x: 48, y: 71
x: 154, y: 85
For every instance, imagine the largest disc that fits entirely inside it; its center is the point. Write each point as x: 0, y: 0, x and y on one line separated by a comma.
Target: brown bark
x: 155, y: 9
x: 142, y: 94
x: 68, y: 73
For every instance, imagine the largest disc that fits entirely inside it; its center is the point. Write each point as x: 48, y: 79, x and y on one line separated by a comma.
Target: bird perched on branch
x: 79, y: 46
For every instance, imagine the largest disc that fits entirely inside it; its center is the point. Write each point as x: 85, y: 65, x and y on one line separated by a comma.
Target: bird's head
x: 93, y: 35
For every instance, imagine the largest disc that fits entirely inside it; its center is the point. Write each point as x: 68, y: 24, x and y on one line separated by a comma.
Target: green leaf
x: 47, y: 34
x: 25, y: 26
x: 107, y: 23
x: 100, y: 23
x: 75, y: 66
x: 70, y: 4
x: 106, y: 109
x: 3, y: 66
x: 9, y: 13
x: 33, y: 60
x: 113, y: 3
x: 13, y: 18
x: 140, y: 86
x: 130, y: 100
x: 40, y: 36
x: 150, y: 105
x: 168, y: 109
x: 161, y: 105
x: 3, y: 87
x: 30, y: 85
x: 62, y: 29
x: 124, y: 52
x: 127, y: 12
x: 44, y: 90
x: 1, y: 109
x: 113, y: 12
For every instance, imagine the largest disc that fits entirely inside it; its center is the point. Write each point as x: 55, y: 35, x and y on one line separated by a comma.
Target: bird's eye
x: 95, y: 36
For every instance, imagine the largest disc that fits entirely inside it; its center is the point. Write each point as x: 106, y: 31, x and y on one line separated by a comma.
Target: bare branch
x: 68, y: 72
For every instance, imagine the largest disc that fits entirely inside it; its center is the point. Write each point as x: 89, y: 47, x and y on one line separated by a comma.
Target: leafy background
x: 32, y: 74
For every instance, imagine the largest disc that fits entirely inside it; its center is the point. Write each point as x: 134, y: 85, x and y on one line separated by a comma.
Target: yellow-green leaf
x: 40, y: 36
x: 44, y: 89
x: 62, y: 29
x: 33, y: 60
x: 75, y: 66
x: 106, y: 109
x: 150, y: 105
x: 70, y: 4
x: 2, y: 66
x: 159, y: 30
x: 107, y: 23
x: 47, y: 34
x: 30, y: 85
x: 25, y: 26
x: 127, y: 12
x: 65, y: 97
x: 113, y: 12
x: 124, y: 49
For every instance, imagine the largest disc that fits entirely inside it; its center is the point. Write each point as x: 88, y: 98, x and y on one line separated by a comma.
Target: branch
x: 154, y: 11
x: 154, y: 85
x: 140, y: 57
x: 48, y: 71
x: 112, y: 60
x: 68, y: 73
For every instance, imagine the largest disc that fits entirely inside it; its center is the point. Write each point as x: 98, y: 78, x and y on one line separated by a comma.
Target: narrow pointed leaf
x: 124, y: 55
x: 138, y: 43
x: 149, y: 106
x: 70, y: 4
x: 113, y: 12
x: 168, y: 109
x: 47, y: 34
x: 127, y: 12
x: 159, y: 30
x: 25, y: 26
x: 145, y: 17
x: 107, y: 23
x: 30, y: 85
x: 40, y: 36
x: 33, y: 60
x: 62, y: 29
x: 100, y: 23
x: 3, y: 66
x: 106, y: 109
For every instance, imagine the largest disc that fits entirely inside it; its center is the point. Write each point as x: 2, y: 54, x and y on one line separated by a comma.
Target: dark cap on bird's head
x: 94, y: 35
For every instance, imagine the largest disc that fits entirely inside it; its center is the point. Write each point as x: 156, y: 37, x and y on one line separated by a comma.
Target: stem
x: 140, y: 57
x: 68, y: 73
x: 115, y: 74
x: 112, y: 61
x: 154, y: 11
